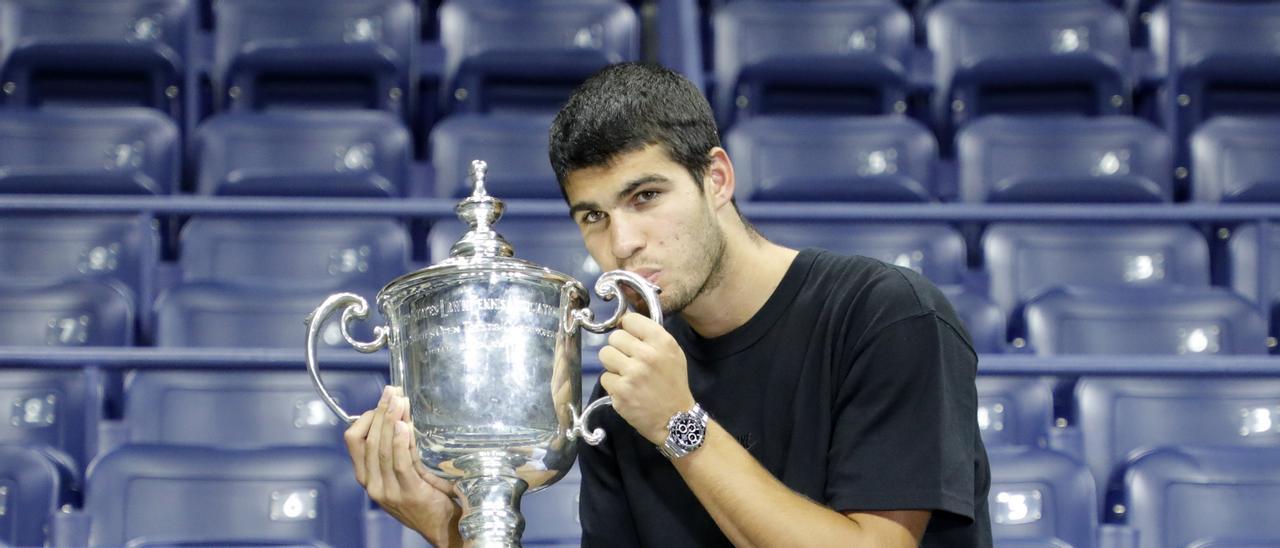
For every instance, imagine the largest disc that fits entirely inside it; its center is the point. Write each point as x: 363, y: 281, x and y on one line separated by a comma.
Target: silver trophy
x: 487, y: 348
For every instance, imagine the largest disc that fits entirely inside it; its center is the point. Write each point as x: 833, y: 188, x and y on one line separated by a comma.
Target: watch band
x: 686, y: 431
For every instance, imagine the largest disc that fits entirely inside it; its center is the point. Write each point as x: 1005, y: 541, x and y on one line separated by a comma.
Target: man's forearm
x: 753, y: 508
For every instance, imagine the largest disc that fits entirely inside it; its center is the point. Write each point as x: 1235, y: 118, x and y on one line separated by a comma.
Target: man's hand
x: 385, y: 455
x: 647, y: 375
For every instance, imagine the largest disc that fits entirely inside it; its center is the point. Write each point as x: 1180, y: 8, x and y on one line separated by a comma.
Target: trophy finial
x: 480, y: 211
x: 478, y: 170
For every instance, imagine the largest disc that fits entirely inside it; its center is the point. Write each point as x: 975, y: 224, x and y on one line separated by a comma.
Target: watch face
x: 687, y: 431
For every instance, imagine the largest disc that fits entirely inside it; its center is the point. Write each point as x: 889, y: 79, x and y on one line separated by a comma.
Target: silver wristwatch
x: 685, y: 432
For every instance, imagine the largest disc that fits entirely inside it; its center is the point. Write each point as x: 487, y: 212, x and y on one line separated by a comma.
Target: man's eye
x: 646, y: 195
x: 592, y: 217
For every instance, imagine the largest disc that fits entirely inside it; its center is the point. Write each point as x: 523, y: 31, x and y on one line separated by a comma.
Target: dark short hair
x: 626, y: 107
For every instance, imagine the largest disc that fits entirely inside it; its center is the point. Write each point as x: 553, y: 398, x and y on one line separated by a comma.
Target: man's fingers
x: 386, y: 447
x: 441, y: 484
x: 629, y: 345
x: 373, y: 443
x: 402, y: 457
x: 641, y: 326
x: 614, y: 361
x: 355, y: 440
x: 610, y: 381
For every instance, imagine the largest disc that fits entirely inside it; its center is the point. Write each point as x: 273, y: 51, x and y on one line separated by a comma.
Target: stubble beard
x: 713, y: 248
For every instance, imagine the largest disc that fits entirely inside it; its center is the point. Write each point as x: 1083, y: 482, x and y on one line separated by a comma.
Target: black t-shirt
x: 853, y: 384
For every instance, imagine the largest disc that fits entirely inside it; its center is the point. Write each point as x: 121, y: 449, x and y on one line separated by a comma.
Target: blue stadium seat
x: 528, y: 56
x: 811, y: 57
x: 982, y: 319
x: 1040, y: 496
x: 318, y: 153
x: 1121, y: 418
x: 36, y: 249
x: 1202, y: 496
x: 933, y: 249
x: 515, y: 147
x: 551, y: 515
x: 126, y: 52
x: 866, y: 158
x: 1219, y: 58
x: 182, y: 496
x: 1236, y: 159
x: 88, y: 151
x: 31, y: 491
x: 242, y: 409
x: 56, y: 411
x: 294, y: 253
x: 74, y: 313
x: 1024, y: 259
x: 215, y: 315
x: 1254, y: 267
x: 1192, y: 321
x: 1023, y: 57
x: 1064, y: 159
x: 313, y: 53
x: 1014, y: 411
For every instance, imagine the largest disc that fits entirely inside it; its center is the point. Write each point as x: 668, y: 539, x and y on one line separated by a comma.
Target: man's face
x: 645, y: 213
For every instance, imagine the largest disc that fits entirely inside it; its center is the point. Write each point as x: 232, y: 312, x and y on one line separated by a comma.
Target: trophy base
x: 490, y: 492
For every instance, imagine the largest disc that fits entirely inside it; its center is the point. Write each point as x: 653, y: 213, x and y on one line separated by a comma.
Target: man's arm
x: 648, y: 379
x: 753, y: 508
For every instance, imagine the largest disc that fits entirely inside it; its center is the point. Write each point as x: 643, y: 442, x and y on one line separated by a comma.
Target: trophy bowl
x: 488, y: 350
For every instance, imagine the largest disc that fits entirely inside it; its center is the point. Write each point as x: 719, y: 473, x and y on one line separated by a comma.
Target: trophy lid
x: 481, y: 251
x: 480, y: 211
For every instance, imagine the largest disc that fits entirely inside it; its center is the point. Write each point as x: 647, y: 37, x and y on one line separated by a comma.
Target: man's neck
x: 751, y: 271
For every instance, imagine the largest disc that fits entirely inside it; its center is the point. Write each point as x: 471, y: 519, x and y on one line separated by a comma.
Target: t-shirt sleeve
x: 602, y: 503
x: 905, y: 423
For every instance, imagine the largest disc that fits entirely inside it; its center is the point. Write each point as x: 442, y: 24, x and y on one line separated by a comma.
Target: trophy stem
x: 490, y: 493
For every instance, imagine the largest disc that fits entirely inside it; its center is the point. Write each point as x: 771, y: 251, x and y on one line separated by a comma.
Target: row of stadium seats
x: 1207, y: 58
x: 1034, y: 278
x: 1211, y: 433
x: 999, y: 159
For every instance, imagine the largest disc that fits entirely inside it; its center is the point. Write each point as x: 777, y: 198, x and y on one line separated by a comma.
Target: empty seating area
x: 1093, y: 184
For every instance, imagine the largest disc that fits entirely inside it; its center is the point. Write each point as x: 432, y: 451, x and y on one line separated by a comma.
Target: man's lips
x: 649, y: 274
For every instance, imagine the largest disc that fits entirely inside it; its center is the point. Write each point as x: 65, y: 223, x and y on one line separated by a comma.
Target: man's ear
x: 719, y: 177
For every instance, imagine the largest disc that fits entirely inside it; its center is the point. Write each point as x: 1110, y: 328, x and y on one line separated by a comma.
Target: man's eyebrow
x: 626, y: 191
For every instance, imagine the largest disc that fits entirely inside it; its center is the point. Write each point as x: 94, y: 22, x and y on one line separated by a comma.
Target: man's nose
x: 625, y: 238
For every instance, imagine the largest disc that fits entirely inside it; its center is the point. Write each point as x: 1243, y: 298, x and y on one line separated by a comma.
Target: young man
x: 794, y: 398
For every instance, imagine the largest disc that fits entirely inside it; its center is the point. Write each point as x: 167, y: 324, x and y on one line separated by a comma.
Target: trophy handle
x: 354, y: 307
x: 609, y: 287
x: 579, y: 428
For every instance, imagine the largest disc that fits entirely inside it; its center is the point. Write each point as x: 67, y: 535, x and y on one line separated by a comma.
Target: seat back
x: 314, y: 53
x: 36, y: 249
x: 317, y: 153
x: 810, y: 57
x: 935, y: 250
x: 1121, y: 418
x: 150, y: 495
x: 30, y: 493
x: 1202, y: 496
x: 1040, y: 496
x: 88, y: 151
x: 515, y: 147
x: 1236, y: 159
x: 1064, y: 159
x: 73, y: 313
x: 242, y: 408
x: 1158, y: 320
x: 529, y: 56
x: 1025, y: 259
x: 860, y: 159
x: 126, y: 52
x: 294, y: 253
x: 1023, y: 57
